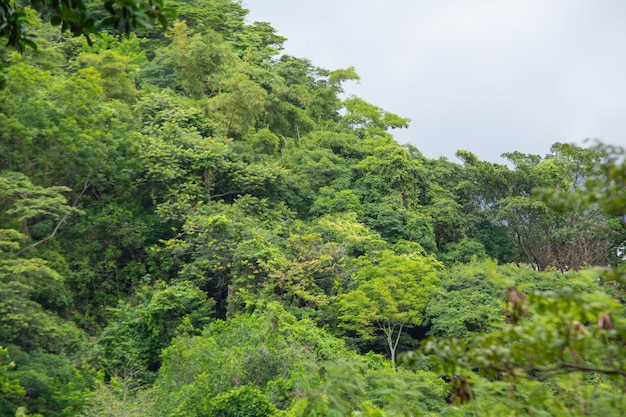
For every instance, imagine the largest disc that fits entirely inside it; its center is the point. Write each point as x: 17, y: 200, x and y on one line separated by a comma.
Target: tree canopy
x: 193, y: 223
x: 80, y: 18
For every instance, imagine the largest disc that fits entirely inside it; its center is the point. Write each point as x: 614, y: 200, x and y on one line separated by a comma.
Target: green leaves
x: 123, y: 16
x: 232, y: 206
x: 544, y: 235
x: 140, y: 329
x: 126, y: 15
x: 369, y: 120
x: 467, y: 301
x: 349, y: 388
x: 246, y: 360
x: 241, y: 104
x: 240, y: 401
x: 391, y: 293
x: 10, y: 389
x: 14, y: 24
x: 568, y: 341
x: 26, y: 202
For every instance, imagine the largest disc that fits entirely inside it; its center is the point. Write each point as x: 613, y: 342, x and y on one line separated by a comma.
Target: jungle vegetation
x: 193, y: 223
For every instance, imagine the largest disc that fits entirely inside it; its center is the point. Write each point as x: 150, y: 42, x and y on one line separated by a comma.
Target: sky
x: 488, y: 76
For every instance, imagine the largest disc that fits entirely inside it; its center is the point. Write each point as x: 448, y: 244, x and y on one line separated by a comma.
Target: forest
x: 193, y: 223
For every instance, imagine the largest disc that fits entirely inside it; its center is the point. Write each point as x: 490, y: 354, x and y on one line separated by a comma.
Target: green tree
x: 599, y: 199
x: 240, y: 401
x: 391, y: 295
x: 225, y: 17
x: 368, y: 120
x: 241, y: 103
x: 556, y: 352
x: 372, y: 388
x: 467, y: 302
x: 192, y: 63
x: 115, y: 70
x: 543, y: 236
x: 248, y: 359
x: 258, y: 42
x: 122, y: 16
x: 224, y: 249
x: 319, y: 168
x: 32, y: 291
x: 35, y: 301
x: 119, y: 398
x: 560, y: 348
x: 140, y: 329
x: 347, y: 230
x: 56, y: 386
x: 315, y: 89
x: 10, y: 389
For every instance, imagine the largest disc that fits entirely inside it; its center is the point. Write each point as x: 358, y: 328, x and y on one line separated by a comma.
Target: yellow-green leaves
x: 370, y: 120
x: 391, y: 293
x: 240, y: 103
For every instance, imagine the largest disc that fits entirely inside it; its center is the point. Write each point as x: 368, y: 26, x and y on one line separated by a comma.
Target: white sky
x: 489, y: 76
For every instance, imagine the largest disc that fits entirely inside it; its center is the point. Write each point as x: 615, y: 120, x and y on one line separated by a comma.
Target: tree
x: 556, y: 351
x: 10, y: 389
x: 226, y: 17
x: 544, y: 236
x: 55, y: 385
x: 139, y: 330
x: 191, y: 63
x: 34, y: 300
x: 599, y: 195
x: 77, y: 16
x: 391, y: 294
x: 241, y: 103
x: 114, y: 68
x: 259, y: 358
x: 368, y: 120
x: 467, y: 302
x: 240, y: 401
x: 561, y: 348
x: 373, y: 389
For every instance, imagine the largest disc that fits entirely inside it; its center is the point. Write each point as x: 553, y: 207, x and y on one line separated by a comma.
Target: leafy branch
x: 72, y: 209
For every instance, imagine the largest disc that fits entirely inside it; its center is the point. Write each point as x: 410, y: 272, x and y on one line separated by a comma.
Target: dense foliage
x: 192, y: 224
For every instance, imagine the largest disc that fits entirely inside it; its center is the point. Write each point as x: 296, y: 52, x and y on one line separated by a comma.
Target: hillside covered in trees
x: 195, y: 224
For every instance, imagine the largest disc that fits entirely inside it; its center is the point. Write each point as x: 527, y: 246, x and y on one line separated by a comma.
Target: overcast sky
x: 489, y: 76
